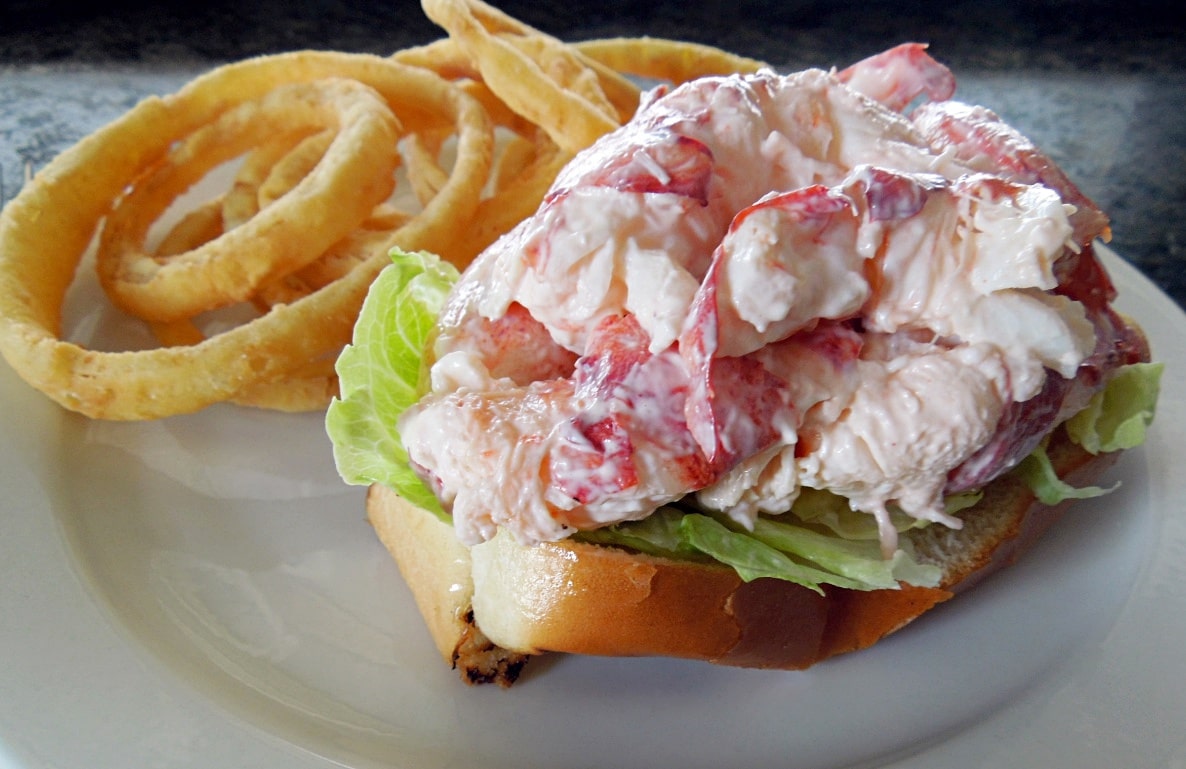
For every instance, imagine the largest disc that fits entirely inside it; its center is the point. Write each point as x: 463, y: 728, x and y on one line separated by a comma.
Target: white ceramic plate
x: 203, y: 591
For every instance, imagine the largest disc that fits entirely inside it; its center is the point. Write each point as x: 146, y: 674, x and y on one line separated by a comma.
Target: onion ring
x: 306, y: 391
x: 572, y: 97
x: 309, y: 387
x: 42, y: 241
x: 291, y: 169
x: 450, y: 198
x: 676, y: 61
x: 241, y: 201
x: 425, y: 174
x: 443, y: 57
x: 355, y: 175
x: 201, y: 225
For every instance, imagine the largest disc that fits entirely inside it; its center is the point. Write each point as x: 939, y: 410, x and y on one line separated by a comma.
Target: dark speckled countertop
x: 1101, y: 86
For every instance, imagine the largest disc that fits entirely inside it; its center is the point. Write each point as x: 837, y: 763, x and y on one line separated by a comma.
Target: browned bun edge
x: 437, y: 569
x: 490, y: 607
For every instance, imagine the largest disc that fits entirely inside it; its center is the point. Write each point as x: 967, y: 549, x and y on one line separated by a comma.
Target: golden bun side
x: 437, y: 569
x: 490, y: 607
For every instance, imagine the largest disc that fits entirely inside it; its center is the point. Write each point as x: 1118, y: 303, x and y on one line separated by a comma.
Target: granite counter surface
x: 1100, y: 86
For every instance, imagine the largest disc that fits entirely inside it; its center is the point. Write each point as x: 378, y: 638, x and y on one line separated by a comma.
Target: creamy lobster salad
x: 831, y: 305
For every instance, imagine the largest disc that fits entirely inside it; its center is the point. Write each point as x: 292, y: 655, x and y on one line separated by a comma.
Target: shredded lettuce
x: 380, y: 374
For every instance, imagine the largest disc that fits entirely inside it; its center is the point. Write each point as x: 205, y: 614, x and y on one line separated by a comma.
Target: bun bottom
x: 491, y: 607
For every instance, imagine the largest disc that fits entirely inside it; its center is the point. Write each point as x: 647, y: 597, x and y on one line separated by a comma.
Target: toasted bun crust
x: 492, y: 606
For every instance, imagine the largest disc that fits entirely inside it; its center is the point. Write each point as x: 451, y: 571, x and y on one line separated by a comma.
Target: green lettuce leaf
x: 1117, y: 418
x: 858, y: 560
x: 777, y: 547
x: 752, y: 558
x: 380, y: 374
x: 1038, y: 473
x: 657, y: 534
x: 1119, y: 415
